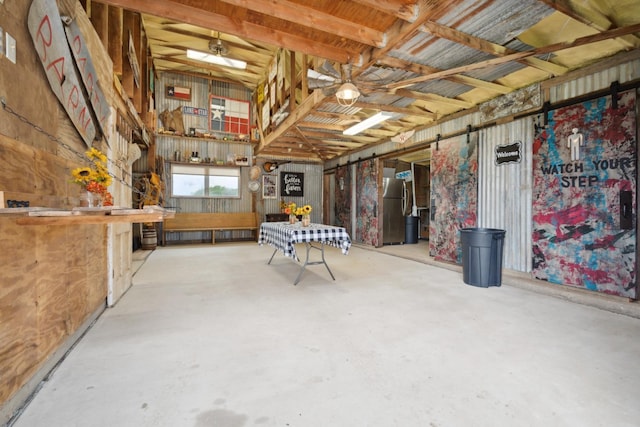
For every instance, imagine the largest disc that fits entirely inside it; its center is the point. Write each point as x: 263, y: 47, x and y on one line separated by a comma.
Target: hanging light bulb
x: 347, y: 94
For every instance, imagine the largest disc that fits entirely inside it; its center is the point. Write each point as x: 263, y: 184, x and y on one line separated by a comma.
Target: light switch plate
x: 10, y: 47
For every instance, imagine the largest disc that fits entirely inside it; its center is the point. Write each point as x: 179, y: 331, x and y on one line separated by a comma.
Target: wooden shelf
x: 79, y: 216
x: 205, y: 138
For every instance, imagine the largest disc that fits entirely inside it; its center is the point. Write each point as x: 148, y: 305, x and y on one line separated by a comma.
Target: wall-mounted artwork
x: 229, y: 115
x: 181, y: 93
x: 269, y: 187
x: 343, y: 197
x: 292, y: 184
x: 367, y: 203
x: 454, y: 196
x: 584, y: 186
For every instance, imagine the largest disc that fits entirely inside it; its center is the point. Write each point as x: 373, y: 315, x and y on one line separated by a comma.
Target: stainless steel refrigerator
x: 394, y: 209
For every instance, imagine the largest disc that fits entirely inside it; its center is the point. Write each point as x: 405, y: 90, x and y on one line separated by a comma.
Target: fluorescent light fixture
x: 366, y: 124
x: 215, y: 59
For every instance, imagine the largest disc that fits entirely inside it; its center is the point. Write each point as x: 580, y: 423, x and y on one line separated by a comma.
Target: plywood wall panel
x: 17, y: 164
x: 18, y: 333
x: 50, y: 284
x: 96, y: 271
x: 52, y: 279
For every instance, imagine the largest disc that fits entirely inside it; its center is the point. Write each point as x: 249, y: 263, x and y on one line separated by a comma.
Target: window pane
x: 223, y: 186
x: 205, y: 181
x: 187, y: 185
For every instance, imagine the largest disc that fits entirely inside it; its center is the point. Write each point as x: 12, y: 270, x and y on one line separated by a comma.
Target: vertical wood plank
x: 100, y: 21
x: 115, y: 39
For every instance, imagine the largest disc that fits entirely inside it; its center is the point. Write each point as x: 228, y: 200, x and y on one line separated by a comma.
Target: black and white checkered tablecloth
x: 284, y: 236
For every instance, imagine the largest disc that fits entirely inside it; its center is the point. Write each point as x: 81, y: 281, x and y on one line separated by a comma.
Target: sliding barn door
x: 584, y: 221
x: 368, y: 180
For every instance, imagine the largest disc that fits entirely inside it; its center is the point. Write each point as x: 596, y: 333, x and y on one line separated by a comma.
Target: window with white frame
x: 205, y: 181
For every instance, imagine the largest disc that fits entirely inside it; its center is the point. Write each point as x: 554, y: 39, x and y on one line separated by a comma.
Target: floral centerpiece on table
x: 290, y: 209
x: 295, y: 211
x: 95, y: 178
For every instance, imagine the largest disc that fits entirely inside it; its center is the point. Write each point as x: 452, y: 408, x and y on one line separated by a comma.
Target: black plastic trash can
x: 411, y: 229
x: 482, y: 256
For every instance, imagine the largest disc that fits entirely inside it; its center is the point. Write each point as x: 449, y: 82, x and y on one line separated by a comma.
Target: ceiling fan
x: 217, y: 47
x: 341, y: 83
x: 217, y: 55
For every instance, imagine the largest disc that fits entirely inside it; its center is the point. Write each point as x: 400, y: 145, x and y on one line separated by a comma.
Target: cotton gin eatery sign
x: 292, y: 184
x: 508, y: 153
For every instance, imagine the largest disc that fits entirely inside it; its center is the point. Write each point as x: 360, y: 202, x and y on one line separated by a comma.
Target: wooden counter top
x: 102, y: 215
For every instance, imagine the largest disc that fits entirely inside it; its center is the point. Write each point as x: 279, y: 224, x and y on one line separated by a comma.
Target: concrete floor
x: 213, y: 336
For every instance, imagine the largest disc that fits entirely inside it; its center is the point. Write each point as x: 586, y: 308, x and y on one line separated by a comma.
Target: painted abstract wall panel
x: 454, y: 196
x: 367, y: 226
x: 583, y: 161
x: 343, y: 198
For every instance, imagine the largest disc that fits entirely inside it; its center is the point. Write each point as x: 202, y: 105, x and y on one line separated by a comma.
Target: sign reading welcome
x: 508, y: 153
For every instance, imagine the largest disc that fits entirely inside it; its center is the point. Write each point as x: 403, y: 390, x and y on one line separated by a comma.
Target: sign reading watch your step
x: 508, y: 153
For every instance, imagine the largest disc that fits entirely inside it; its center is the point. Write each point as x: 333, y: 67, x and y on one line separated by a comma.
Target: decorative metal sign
x: 508, y: 153
x: 69, y: 68
x: 88, y: 73
x: 292, y: 184
x: 50, y: 42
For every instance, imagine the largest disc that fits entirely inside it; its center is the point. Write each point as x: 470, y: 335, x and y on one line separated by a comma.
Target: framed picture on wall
x: 181, y: 93
x: 269, y: 187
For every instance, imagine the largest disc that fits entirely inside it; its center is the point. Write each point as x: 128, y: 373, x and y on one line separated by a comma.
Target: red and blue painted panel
x: 584, y: 177
x: 454, y: 195
x: 367, y: 228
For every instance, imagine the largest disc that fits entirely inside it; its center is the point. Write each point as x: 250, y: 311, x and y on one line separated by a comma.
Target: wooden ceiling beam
x: 392, y: 109
x: 172, y: 9
x: 246, y: 56
x: 582, y: 41
x: 301, y: 111
x: 314, y: 18
x: 485, y: 46
x: 244, y: 77
x: 311, y: 146
x: 331, y: 115
x: 406, y: 10
x: 462, y: 79
x: 432, y: 97
x: 254, y: 50
x: 399, y: 34
x: 316, y: 125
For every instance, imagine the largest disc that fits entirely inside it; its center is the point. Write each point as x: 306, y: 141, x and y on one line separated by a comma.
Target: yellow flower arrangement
x: 95, y: 178
x: 293, y: 209
x: 290, y: 209
x: 303, y: 210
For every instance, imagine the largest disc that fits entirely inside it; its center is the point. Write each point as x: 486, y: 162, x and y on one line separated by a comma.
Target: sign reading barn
x: 77, y: 91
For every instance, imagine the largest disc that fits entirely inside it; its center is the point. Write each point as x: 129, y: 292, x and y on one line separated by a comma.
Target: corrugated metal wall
x: 622, y: 73
x: 505, y: 191
x: 168, y: 145
x: 313, y: 182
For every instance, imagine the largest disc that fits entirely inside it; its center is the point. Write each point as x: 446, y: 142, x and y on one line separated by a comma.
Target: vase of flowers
x: 305, y: 211
x: 94, y: 180
x: 290, y: 209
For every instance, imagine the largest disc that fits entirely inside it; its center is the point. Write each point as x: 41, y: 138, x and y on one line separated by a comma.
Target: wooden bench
x: 215, y: 221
